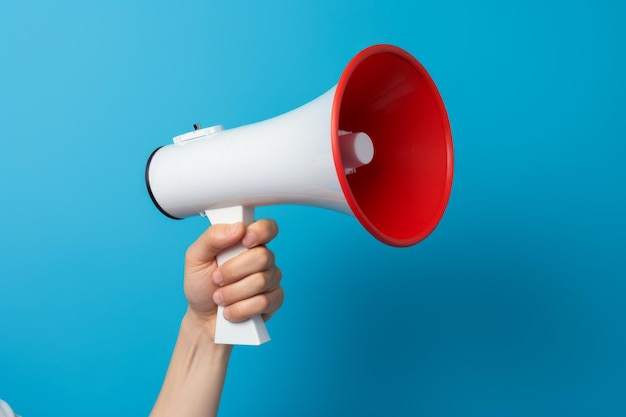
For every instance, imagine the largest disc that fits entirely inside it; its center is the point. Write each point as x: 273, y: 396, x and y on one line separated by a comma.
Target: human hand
x: 246, y: 285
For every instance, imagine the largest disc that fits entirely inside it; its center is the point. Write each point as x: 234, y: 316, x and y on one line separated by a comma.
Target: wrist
x: 199, y: 331
x: 195, y: 378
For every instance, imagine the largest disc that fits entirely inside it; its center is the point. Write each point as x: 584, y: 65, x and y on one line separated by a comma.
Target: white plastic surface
x: 357, y: 149
x: 251, y: 331
x: 284, y: 160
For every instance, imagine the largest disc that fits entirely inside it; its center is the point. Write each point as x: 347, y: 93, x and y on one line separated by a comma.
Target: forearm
x: 195, y: 377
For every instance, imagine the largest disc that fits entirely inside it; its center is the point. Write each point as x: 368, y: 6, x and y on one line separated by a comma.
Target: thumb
x: 214, y: 240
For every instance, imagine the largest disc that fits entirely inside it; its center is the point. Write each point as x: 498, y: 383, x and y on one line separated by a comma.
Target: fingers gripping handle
x: 251, y: 331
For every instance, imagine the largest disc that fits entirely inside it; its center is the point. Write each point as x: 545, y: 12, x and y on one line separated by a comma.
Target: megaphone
x: 377, y: 146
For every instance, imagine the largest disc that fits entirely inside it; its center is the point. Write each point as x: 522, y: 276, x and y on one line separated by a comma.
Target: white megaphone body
x: 377, y: 146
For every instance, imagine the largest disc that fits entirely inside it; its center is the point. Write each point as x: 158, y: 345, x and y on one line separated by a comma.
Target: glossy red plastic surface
x: 402, y: 194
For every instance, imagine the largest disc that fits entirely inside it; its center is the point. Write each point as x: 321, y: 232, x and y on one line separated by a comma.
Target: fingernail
x: 218, y: 298
x: 248, y: 239
x: 217, y: 278
x: 227, y: 314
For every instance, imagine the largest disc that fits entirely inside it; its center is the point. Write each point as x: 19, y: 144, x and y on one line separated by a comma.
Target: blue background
x: 514, y: 306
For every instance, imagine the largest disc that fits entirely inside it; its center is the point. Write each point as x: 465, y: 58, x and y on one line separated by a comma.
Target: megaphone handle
x: 251, y: 331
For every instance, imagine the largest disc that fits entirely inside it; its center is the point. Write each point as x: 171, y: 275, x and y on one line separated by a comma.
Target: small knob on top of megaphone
x: 197, y: 133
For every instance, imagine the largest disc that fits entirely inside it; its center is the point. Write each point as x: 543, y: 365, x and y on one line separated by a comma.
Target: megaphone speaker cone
x: 401, y: 195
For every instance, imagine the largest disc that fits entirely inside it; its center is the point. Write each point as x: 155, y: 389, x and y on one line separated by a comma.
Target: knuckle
x: 280, y: 298
x: 260, y: 282
x: 263, y: 256
x: 275, y: 301
x: 213, y: 233
x: 264, y: 302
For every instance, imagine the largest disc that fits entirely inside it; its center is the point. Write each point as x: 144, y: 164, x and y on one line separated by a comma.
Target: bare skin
x: 246, y: 285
